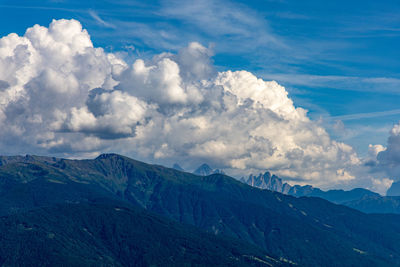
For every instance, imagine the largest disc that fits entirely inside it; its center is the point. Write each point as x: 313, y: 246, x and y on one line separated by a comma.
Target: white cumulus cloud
x: 61, y: 95
x: 389, y: 159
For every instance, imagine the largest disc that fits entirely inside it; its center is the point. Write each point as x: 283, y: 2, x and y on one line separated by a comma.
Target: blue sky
x: 335, y: 58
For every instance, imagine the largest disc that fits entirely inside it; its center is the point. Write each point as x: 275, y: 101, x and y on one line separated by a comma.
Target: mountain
x: 51, y: 215
x: 335, y: 196
x: 379, y: 204
x: 110, y: 233
x: 268, y: 181
x: 205, y: 170
x: 274, y: 183
x: 177, y: 167
x: 359, y: 198
x: 306, y: 231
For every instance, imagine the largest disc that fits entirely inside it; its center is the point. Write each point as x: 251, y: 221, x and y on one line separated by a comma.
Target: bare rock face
x: 204, y: 170
x: 274, y: 183
x: 177, y: 167
x: 268, y: 181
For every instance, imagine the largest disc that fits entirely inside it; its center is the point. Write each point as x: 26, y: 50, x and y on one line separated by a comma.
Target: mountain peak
x: 177, y: 167
x: 274, y: 183
x: 268, y: 181
x: 203, y: 170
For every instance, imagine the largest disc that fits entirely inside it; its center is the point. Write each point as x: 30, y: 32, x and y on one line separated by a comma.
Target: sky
x: 191, y: 82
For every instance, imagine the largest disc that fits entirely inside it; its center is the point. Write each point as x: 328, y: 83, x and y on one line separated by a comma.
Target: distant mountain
x: 378, y: 204
x: 274, y: 183
x: 176, y: 166
x: 306, y: 231
x: 359, y: 198
x: 268, y: 181
x: 204, y: 170
x: 335, y: 196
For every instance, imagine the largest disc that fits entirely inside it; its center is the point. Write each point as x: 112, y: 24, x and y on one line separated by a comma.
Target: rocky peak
x: 268, y: 181
x: 177, y: 167
x: 203, y: 170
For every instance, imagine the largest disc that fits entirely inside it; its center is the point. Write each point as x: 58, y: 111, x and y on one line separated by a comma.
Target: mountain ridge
x: 305, y: 230
x: 204, y: 170
x: 358, y: 198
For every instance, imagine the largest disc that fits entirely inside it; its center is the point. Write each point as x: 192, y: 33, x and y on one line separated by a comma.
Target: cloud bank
x: 60, y: 95
x: 387, y: 160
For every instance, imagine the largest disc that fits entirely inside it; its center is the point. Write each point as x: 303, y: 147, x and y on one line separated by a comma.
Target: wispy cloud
x: 100, y: 21
x: 232, y: 23
x: 234, y: 28
x: 365, y: 84
x: 379, y: 24
x: 43, y: 8
x: 367, y: 115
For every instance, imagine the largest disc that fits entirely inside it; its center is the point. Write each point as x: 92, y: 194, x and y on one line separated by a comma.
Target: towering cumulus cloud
x: 388, y: 159
x: 61, y: 95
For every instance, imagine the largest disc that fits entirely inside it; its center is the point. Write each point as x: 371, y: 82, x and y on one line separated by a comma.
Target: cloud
x: 235, y: 21
x: 108, y: 115
x: 49, y: 71
x: 374, y: 150
x: 100, y: 21
x: 366, y: 115
x: 169, y: 25
x: 61, y: 95
x: 4, y: 85
x: 353, y: 83
x: 159, y: 83
x: 385, y: 162
x: 389, y: 158
x: 382, y: 185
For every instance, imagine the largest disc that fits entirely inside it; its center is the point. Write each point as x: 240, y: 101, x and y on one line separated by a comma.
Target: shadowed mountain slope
x: 306, y: 231
x: 109, y: 233
x: 359, y: 198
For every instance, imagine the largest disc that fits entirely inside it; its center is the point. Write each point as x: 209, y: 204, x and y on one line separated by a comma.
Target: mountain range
x: 118, y: 211
x: 359, y: 198
x: 205, y: 170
